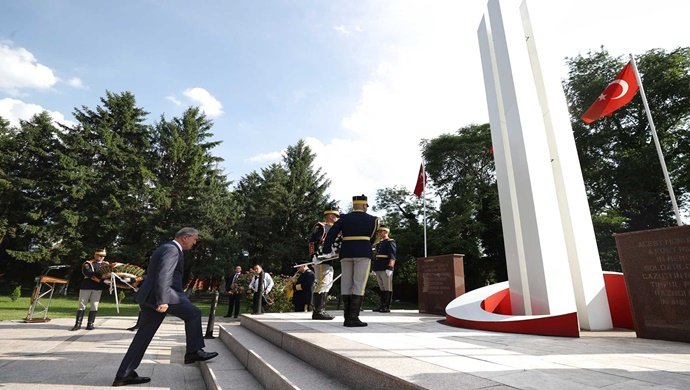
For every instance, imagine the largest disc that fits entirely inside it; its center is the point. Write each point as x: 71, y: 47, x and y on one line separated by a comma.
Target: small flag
x: 421, y: 181
x: 618, y: 93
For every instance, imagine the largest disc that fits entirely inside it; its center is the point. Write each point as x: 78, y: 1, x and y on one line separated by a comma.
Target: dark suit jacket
x: 163, y: 282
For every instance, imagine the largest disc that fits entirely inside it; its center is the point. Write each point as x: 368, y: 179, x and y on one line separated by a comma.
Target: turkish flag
x: 421, y: 181
x: 618, y: 93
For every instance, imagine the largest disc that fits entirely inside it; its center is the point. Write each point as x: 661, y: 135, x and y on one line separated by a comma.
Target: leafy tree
x: 462, y: 169
x: 623, y: 177
x: 191, y: 190
x: 279, y: 207
x: 113, y: 149
x: 34, y: 200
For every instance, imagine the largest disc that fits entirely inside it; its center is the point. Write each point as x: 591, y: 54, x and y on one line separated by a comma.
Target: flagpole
x: 656, y: 142
x: 424, y: 203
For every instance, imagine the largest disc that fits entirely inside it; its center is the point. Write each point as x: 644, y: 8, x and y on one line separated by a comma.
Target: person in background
x: 91, y: 289
x: 162, y: 293
x: 234, y: 291
x: 302, y: 288
x: 384, y: 263
x: 261, y: 285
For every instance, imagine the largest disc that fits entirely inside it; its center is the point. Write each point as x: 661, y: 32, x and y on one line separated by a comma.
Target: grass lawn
x: 67, y: 307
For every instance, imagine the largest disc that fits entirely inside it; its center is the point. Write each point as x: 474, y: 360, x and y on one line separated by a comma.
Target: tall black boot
x: 355, y: 306
x: 346, y: 309
x: 382, y: 299
x: 92, y: 318
x: 80, y: 318
x: 320, y: 313
x: 386, y: 302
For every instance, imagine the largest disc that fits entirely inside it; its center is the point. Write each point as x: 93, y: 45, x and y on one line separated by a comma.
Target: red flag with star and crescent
x: 421, y: 181
x: 618, y: 93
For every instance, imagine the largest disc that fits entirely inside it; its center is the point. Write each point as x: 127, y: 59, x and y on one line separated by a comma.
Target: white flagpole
x: 424, y: 203
x: 656, y: 142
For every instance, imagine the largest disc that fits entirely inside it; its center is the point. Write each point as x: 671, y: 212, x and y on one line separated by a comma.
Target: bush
x: 16, y: 293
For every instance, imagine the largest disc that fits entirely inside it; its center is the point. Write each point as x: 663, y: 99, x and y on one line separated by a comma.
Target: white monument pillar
x: 552, y: 257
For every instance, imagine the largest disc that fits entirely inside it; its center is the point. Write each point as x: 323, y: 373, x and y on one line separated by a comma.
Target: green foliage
x: 622, y: 172
x: 278, y: 208
x: 16, y: 293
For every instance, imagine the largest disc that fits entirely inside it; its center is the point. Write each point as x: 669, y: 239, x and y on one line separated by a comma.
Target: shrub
x: 16, y: 293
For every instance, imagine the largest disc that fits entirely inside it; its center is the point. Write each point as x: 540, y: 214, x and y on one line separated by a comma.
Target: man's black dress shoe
x: 198, y: 356
x: 132, y: 379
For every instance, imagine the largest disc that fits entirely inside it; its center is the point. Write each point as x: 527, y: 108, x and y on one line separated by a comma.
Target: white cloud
x: 207, y: 102
x: 13, y: 110
x: 347, y: 30
x: 430, y: 81
x: 75, y: 82
x: 266, y: 157
x: 19, y: 70
x: 174, y: 100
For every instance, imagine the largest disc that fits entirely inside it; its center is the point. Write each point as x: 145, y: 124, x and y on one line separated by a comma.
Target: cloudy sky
x: 362, y: 82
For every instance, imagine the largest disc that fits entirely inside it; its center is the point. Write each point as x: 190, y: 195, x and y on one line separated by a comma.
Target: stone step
x: 367, y: 357
x: 273, y: 367
x: 225, y: 371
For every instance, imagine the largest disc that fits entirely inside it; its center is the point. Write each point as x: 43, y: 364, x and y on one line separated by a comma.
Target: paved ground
x: 48, y: 356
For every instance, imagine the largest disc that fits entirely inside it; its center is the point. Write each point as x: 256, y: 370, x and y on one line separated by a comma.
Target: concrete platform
x: 403, y: 348
x: 423, y: 352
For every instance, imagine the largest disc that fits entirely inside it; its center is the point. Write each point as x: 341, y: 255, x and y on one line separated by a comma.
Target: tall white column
x: 551, y: 253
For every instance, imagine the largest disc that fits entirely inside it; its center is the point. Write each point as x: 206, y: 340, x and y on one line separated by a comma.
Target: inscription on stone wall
x: 440, y: 280
x: 656, y: 267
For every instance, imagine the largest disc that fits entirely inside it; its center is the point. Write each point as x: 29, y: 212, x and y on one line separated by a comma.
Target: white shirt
x: 268, y: 283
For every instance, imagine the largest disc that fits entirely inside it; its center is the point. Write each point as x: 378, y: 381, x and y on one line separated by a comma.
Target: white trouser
x: 355, y: 275
x: 89, y: 295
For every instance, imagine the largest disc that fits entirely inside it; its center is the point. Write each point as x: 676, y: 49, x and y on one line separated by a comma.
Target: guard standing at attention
x: 384, y: 263
x: 91, y: 289
x: 359, y: 233
x: 323, y: 272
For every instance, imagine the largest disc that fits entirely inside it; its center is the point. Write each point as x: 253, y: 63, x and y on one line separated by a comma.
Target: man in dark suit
x: 234, y: 291
x: 359, y: 233
x: 162, y: 293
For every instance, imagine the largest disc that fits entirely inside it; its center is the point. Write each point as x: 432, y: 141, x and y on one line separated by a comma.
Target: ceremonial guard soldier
x: 358, y: 234
x: 323, y: 272
x: 91, y: 289
x: 384, y: 263
x: 302, y: 288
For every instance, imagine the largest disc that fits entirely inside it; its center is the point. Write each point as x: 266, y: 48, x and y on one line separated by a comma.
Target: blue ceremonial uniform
x: 385, y: 251
x: 359, y: 233
x: 358, y: 230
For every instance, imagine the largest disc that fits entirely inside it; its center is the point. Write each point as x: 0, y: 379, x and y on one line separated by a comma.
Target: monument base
x: 488, y: 308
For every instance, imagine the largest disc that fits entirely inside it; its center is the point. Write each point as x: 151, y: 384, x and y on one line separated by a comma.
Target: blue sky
x: 363, y: 82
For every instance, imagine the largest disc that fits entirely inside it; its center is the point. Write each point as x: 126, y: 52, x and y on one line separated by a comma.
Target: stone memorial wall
x: 440, y: 280
x: 656, y: 268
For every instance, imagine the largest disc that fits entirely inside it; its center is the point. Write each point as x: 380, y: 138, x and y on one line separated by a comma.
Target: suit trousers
x: 234, y: 303
x: 150, y: 321
x: 355, y: 272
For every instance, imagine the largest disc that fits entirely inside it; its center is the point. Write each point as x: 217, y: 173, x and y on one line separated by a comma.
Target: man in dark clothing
x: 234, y: 291
x: 359, y: 233
x: 302, y: 288
x: 161, y: 293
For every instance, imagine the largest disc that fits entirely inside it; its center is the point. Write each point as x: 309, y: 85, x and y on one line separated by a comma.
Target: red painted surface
x: 559, y: 325
x: 619, y: 302
x: 565, y: 325
x: 498, y: 303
